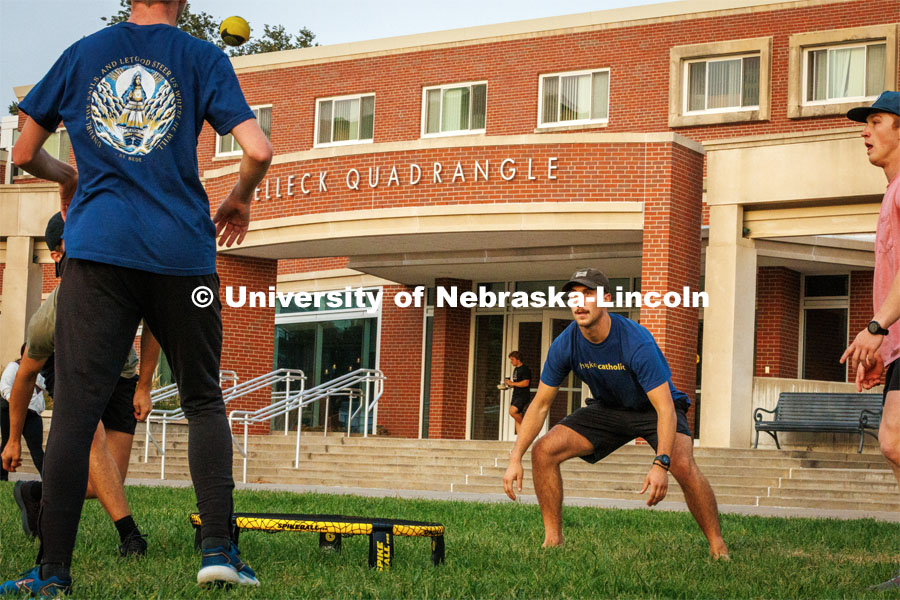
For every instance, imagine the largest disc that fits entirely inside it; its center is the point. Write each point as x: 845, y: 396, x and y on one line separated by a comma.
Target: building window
x: 454, y: 109
x: 844, y: 73
x: 720, y: 82
x: 578, y: 98
x: 345, y: 120
x: 830, y: 72
x: 57, y: 146
x: 826, y: 301
x: 226, y: 145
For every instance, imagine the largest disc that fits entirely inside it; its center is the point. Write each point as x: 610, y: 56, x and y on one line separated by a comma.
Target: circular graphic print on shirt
x: 132, y: 108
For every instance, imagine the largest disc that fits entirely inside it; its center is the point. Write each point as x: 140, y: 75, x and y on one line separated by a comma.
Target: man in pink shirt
x: 879, y: 344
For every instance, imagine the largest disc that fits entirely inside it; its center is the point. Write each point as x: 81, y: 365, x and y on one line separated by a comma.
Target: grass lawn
x: 492, y: 552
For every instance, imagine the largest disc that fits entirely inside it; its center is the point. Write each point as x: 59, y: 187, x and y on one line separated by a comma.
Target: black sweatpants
x: 100, y: 307
x: 33, y: 432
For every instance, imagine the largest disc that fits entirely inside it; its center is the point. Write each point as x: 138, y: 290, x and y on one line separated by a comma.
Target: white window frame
x: 470, y: 131
x: 317, y: 144
x: 804, y: 55
x: 685, y: 87
x: 820, y: 302
x: 577, y: 122
x: 240, y: 152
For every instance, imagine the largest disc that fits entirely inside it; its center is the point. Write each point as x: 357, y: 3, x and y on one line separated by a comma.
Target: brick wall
x: 671, y: 245
x: 777, y: 322
x: 638, y: 57
x: 449, y: 367
x: 861, y: 307
x: 606, y: 172
x: 401, y: 362
x: 248, y: 343
x: 49, y: 281
x: 306, y: 265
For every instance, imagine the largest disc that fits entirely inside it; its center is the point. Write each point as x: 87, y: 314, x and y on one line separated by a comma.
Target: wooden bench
x: 821, y: 413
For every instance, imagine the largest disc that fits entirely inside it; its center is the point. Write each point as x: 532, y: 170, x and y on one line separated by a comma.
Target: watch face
x: 664, y: 459
x: 873, y: 327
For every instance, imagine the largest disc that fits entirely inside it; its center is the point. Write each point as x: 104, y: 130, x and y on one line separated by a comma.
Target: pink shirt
x: 887, y: 263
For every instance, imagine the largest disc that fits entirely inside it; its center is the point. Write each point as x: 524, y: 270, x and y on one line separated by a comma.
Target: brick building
x: 670, y: 145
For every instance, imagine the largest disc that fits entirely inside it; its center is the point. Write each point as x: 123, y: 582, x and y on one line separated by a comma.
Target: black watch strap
x: 875, y: 328
x: 663, y: 461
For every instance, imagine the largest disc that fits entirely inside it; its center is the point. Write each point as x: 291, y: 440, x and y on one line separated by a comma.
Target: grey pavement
x: 759, y: 511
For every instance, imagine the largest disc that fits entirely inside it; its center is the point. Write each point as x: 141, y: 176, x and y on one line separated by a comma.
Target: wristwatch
x: 663, y: 461
x: 875, y: 328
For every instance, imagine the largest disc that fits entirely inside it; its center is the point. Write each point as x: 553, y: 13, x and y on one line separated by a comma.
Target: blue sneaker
x: 31, y: 583
x: 222, y: 566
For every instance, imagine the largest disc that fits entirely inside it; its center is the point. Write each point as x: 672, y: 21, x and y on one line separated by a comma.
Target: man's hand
x: 863, y: 349
x: 142, y: 404
x: 657, y: 481
x: 869, y: 377
x: 66, y: 193
x: 232, y: 220
x: 512, y: 480
x: 12, y: 455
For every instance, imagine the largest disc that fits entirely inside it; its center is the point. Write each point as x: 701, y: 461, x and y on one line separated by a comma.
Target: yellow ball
x: 234, y: 31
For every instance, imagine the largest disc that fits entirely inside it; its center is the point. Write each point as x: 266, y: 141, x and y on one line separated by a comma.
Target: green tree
x: 13, y: 108
x: 206, y: 27
x: 275, y: 38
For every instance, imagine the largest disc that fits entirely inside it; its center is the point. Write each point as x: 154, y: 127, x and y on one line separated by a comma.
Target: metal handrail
x: 340, y: 386
x: 235, y: 391
x: 167, y: 392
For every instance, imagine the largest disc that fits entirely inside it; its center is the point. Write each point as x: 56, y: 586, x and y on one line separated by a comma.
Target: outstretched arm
x: 29, y: 154
x: 528, y: 431
x: 149, y: 357
x: 865, y: 346
x: 233, y: 217
x: 657, y: 480
x: 22, y: 390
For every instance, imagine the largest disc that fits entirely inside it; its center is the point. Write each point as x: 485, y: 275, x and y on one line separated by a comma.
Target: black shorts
x: 891, y: 380
x: 521, y: 404
x: 119, y: 413
x: 611, y: 428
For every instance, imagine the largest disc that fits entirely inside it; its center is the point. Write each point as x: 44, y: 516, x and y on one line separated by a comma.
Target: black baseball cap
x: 53, y: 235
x: 589, y: 278
x: 888, y: 102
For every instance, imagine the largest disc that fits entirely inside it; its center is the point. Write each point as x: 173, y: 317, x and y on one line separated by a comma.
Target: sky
x: 33, y: 33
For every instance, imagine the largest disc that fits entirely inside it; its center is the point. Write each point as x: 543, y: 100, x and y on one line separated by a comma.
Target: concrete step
x: 862, y: 496
x: 829, y: 475
x: 839, y: 485
x: 829, y: 504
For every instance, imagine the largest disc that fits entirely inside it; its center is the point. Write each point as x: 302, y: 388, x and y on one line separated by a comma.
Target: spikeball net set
x: 332, y: 528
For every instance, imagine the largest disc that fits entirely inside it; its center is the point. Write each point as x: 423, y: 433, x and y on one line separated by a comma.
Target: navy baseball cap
x: 589, y: 278
x: 888, y: 102
x: 53, y: 235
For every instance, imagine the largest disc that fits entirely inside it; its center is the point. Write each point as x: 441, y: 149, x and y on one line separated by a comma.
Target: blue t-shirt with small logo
x: 133, y: 99
x: 619, y: 371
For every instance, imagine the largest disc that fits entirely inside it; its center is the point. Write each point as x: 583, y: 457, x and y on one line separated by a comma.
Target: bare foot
x: 554, y: 543
x: 723, y: 556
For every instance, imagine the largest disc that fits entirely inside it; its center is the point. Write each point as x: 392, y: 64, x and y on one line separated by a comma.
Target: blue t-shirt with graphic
x: 619, y: 371
x: 133, y: 99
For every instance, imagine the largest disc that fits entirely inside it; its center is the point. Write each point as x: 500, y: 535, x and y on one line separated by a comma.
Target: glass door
x: 572, y: 393
x: 526, y: 333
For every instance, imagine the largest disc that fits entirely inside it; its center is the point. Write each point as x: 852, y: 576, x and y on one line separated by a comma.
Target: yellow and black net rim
x: 333, y: 524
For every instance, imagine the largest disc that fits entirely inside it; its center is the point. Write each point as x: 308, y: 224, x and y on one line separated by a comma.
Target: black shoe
x: 29, y: 508
x: 135, y: 544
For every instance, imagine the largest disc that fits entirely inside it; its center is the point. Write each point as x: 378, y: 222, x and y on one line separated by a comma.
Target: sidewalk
x: 759, y: 511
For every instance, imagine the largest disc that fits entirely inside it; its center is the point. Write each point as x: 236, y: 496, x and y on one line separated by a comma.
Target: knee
x: 682, y: 467
x: 541, y: 453
x: 890, y: 449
